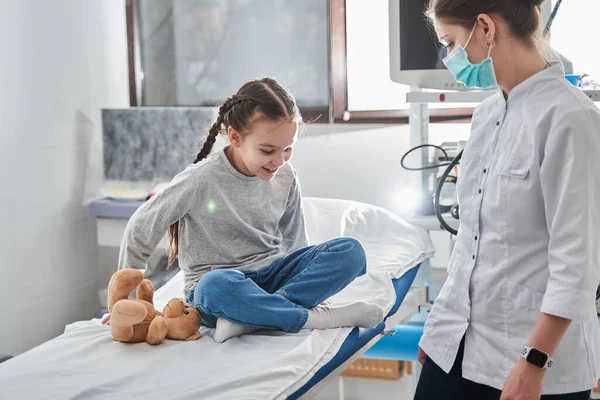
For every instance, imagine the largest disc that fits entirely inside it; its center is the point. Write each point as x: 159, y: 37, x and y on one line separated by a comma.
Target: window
x: 198, y: 52
x: 574, y: 33
x: 369, y: 85
x: 332, y: 54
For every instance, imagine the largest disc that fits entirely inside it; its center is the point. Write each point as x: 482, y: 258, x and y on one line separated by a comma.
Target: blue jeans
x: 277, y: 297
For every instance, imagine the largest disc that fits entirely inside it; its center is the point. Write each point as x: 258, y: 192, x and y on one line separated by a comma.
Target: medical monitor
x: 415, y: 54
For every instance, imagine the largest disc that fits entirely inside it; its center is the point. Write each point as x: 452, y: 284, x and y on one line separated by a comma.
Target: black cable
x: 431, y: 166
x: 438, y: 191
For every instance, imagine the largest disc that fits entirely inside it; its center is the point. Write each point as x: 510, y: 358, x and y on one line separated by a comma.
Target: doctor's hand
x: 523, y: 383
x: 422, y: 356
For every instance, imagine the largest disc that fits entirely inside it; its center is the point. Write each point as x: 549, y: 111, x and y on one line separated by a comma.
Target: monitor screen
x: 419, y: 47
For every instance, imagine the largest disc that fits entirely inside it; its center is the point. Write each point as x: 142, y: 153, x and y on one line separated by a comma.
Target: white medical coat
x: 529, y: 196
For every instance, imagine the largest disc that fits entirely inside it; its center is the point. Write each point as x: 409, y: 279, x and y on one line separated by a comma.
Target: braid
x: 216, y: 127
x: 204, y: 152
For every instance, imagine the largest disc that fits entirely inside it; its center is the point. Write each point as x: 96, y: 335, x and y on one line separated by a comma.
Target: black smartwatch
x: 536, y: 357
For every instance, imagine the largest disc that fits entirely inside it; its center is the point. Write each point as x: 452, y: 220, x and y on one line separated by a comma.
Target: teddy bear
x: 136, y: 320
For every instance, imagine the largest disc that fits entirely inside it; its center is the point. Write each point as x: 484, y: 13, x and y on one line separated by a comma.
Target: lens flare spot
x: 211, y: 206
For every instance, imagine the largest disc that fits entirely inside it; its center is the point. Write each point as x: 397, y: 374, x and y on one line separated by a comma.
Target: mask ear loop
x: 471, y: 35
x: 490, y: 46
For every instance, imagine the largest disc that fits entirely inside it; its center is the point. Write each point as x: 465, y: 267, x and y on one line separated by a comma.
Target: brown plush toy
x: 136, y: 320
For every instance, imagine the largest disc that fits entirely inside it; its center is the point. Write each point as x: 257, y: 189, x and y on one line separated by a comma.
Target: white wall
x: 361, y: 163
x: 62, y: 61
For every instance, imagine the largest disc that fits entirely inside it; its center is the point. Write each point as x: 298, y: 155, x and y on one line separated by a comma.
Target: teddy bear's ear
x: 193, y: 336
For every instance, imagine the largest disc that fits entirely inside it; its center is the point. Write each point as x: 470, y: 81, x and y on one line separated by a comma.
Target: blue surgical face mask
x: 473, y: 76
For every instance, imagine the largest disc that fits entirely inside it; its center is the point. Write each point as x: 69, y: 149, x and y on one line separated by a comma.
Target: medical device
x: 438, y: 192
x: 415, y: 54
x: 442, y: 157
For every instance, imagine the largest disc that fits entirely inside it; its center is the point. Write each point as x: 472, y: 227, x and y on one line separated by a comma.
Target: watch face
x: 537, y: 358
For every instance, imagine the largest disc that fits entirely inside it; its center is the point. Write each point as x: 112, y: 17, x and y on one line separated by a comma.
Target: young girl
x: 237, y: 228
x: 516, y: 318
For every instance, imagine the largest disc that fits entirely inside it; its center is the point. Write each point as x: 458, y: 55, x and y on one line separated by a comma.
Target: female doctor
x: 516, y: 318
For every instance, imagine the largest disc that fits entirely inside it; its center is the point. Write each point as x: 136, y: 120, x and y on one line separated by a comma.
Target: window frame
x: 337, y: 110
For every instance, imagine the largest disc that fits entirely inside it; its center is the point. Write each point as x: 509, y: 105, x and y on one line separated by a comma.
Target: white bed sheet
x: 85, y: 363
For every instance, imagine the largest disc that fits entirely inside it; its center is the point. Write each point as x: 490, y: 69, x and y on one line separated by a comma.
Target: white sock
x: 226, y: 329
x: 364, y: 315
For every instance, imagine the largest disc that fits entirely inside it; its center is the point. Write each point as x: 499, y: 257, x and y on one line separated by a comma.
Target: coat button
x: 475, y: 237
x: 484, y: 170
x: 497, y: 123
x: 479, y: 191
x: 473, y: 257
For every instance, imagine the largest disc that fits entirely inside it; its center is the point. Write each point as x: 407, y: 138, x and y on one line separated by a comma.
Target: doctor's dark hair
x: 261, y: 96
x: 522, y: 16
